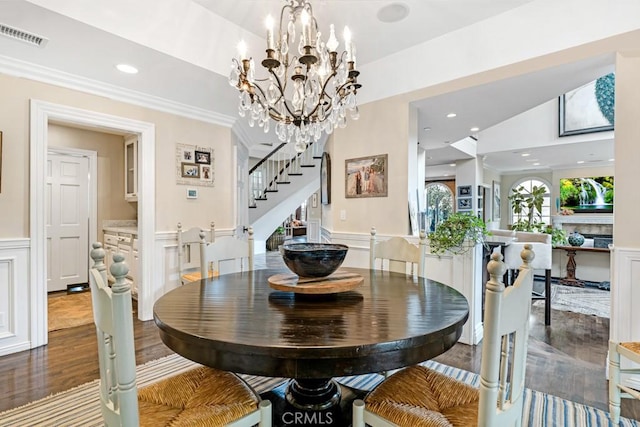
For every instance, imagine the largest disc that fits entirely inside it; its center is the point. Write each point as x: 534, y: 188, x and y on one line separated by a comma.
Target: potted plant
x: 527, y: 205
x: 457, y: 234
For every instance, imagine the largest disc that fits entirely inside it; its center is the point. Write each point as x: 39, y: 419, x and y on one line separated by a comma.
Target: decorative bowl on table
x: 313, y: 259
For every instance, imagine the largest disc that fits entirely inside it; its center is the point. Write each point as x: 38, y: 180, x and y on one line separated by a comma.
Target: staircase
x: 279, y: 183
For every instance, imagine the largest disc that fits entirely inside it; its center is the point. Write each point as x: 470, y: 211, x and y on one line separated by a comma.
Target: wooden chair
x: 189, y: 251
x: 541, y: 244
x: 200, y: 396
x: 398, y: 254
x: 617, y: 389
x: 227, y: 254
x: 418, y: 396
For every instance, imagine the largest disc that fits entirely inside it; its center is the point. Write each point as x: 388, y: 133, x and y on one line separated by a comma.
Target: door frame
x: 41, y: 113
x: 92, y: 188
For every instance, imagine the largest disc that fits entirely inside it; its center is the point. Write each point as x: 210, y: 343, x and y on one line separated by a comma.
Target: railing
x: 276, y: 168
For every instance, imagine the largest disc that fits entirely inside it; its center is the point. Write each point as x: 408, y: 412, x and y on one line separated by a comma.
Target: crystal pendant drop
x: 355, y: 113
x: 234, y: 76
x: 300, y: 147
x: 291, y: 28
x: 272, y: 94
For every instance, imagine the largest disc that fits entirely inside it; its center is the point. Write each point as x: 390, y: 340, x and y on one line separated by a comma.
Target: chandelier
x: 309, y: 87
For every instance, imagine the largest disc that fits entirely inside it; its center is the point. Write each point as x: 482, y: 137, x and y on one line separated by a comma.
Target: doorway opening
x: 42, y: 113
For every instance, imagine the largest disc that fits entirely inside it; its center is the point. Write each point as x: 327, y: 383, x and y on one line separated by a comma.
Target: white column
x: 625, y: 258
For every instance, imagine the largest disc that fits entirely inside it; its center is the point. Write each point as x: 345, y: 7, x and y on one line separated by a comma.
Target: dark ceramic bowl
x: 313, y: 259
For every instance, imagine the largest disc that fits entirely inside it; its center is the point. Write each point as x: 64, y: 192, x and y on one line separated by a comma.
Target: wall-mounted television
x: 587, y: 195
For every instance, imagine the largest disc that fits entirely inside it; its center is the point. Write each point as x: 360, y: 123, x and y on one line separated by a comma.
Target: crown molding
x: 23, y: 69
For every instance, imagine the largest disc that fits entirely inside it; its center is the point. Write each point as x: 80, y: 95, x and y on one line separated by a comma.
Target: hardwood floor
x: 566, y: 359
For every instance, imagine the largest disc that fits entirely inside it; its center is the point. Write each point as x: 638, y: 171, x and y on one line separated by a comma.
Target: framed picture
x: 202, y: 157
x: 195, y: 165
x: 464, y: 203
x: 366, y: 176
x: 325, y: 179
x: 590, y: 108
x: 206, y: 174
x: 464, y: 191
x: 190, y: 170
x: 192, y: 193
x: 495, y: 210
x: 187, y: 155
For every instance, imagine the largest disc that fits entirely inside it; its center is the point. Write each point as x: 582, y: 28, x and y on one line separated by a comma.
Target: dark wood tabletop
x: 237, y: 323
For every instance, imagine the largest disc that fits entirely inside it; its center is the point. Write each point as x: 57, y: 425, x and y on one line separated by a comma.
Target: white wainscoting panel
x: 625, y: 301
x: 14, y: 296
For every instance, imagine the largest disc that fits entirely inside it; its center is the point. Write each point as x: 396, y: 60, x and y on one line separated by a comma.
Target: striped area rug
x: 80, y: 406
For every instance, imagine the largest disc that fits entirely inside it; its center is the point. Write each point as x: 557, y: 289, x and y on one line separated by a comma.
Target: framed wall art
x: 366, y: 176
x: 464, y: 204
x: 495, y: 208
x: 194, y: 165
x: 464, y: 191
x: 325, y: 179
x: 590, y: 108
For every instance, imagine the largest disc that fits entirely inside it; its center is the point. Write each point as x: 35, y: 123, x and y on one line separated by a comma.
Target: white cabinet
x: 131, y: 168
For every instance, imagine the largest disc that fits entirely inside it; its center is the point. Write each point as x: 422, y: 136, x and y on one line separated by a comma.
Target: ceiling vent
x: 23, y: 36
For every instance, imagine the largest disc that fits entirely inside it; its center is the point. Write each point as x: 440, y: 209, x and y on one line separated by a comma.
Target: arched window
x: 439, y: 205
x: 525, y: 187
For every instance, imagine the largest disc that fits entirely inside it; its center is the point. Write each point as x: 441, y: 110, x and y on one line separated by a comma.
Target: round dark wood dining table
x: 238, y: 323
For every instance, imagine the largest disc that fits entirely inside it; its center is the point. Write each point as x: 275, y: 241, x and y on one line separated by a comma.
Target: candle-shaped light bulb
x: 304, y: 19
x: 269, y: 23
x: 242, y: 50
x: 332, y: 43
x: 347, y: 42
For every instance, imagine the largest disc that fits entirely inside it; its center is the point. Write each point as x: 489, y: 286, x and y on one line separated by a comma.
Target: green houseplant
x: 457, y: 234
x: 527, y: 205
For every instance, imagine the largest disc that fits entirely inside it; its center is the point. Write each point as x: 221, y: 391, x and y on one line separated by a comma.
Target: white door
x: 67, y: 220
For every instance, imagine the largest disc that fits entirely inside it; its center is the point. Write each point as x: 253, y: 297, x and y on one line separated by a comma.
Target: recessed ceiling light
x: 525, y: 154
x: 446, y: 174
x: 126, y: 68
x: 393, y: 12
x: 452, y: 164
x: 447, y: 142
x: 427, y: 129
x: 451, y: 115
x: 611, y: 160
x: 580, y: 162
x: 474, y: 129
x: 536, y: 164
x: 429, y: 158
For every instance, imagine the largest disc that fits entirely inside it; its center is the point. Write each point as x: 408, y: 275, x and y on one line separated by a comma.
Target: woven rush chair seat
x: 418, y: 396
x: 201, y: 396
x: 631, y: 346
x: 421, y: 397
x: 619, y: 354
x: 198, y: 397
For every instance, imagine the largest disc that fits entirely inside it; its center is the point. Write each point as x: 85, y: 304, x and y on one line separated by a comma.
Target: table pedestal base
x: 571, y: 279
x: 331, y: 406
